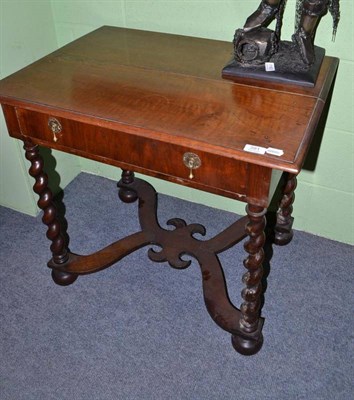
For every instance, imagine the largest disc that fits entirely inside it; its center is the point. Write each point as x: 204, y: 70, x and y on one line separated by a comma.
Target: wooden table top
x: 169, y: 88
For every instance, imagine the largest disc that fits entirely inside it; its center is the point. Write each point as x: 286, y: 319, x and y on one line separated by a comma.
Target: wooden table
x: 156, y: 103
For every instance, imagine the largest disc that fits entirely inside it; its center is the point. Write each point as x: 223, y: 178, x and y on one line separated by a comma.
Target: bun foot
x: 283, y: 238
x: 63, y: 278
x: 247, y: 347
x: 127, y: 196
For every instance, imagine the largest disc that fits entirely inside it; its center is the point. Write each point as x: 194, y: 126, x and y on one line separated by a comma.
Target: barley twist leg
x: 54, y: 232
x: 251, y: 294
x: 283, y: 227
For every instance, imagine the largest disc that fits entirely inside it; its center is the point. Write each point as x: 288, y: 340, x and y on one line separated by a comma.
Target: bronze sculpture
x: 299, y: 60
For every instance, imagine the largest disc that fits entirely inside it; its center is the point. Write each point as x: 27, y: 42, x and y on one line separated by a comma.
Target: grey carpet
x: 140, y: 330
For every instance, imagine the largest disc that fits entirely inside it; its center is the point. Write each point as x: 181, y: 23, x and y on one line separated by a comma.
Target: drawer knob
x: 191, y: 161
x: 55, y: 127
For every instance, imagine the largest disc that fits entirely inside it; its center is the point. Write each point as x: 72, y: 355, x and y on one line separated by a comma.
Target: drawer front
x: 138, y: 153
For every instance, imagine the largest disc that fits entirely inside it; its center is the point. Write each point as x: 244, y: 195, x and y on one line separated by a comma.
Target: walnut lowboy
x: 156, y: 104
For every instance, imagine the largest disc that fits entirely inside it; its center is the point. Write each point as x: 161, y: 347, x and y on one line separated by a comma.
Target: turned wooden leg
x: 54, y: 233
x: 249, y: 344
x: 125, y: 194
x: 283, y: 232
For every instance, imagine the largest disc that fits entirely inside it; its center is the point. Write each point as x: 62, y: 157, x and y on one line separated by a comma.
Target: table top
x: 169, y: 88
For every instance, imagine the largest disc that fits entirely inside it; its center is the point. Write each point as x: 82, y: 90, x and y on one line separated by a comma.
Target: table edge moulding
x: 156, y: 103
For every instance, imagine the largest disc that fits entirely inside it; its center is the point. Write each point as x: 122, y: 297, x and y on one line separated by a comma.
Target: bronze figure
x: 297, y: 61
x: 309, y: 13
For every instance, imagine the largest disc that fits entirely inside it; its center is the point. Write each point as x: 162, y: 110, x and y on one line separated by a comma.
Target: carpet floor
x: 140, y: 330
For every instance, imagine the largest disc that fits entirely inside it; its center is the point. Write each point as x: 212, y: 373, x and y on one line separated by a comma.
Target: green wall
x: 27, y: 33
x: 325, y: 197
x: 20, y: 44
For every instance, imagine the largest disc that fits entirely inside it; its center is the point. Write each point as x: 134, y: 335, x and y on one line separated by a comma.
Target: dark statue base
x: 289, y: 67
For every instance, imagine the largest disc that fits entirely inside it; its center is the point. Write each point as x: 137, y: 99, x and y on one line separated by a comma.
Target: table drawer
x: 137, y: 152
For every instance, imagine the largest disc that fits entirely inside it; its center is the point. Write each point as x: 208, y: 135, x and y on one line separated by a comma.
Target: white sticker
x: 274, y: 152
x: 254, y: 149
x: 262, y: 150
x: 269, y: 66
